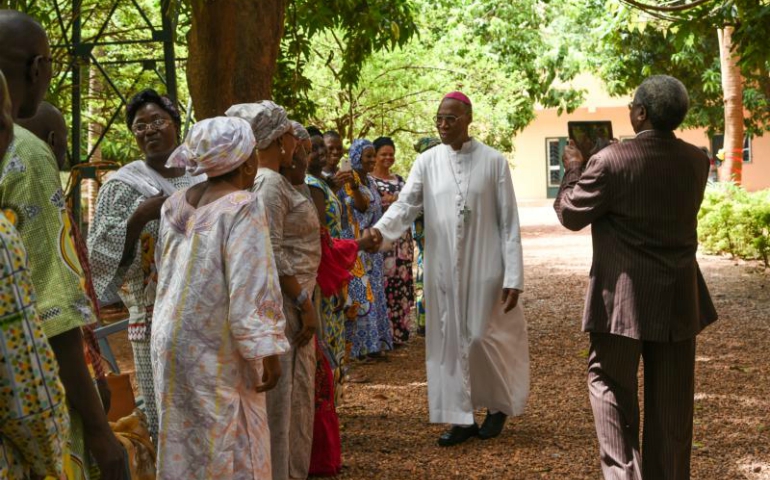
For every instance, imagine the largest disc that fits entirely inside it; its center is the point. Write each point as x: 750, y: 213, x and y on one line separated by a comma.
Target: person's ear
x: 34, y: 72
x: 642, y: 113
x: 51, y: 140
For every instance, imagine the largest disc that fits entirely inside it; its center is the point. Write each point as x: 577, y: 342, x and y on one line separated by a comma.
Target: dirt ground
x: 385, y: 429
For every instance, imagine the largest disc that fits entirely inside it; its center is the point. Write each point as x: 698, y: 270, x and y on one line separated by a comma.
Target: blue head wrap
x: 357, y: 151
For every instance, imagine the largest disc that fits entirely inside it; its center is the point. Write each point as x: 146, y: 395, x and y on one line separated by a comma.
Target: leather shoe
x: 492, y: 426
x: 457, y: 435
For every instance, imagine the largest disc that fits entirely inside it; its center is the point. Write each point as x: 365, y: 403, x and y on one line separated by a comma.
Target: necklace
x: 466, y: 212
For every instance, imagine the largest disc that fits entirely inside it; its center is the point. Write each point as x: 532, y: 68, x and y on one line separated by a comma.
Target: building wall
x: 529, y: 159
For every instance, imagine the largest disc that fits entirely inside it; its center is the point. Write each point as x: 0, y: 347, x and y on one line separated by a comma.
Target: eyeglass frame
x: 157, y: 125
x: 439, y: 119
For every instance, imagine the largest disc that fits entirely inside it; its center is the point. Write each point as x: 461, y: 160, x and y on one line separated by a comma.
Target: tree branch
x: 657, y: 8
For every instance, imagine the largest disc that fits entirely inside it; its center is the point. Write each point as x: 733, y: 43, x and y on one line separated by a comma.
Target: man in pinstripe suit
x: 646, y: 297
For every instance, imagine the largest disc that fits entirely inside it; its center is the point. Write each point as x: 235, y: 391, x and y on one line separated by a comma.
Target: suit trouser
x: 669, y: 389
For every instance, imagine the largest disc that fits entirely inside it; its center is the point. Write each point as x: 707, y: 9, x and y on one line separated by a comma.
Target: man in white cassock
x: 476, y: 336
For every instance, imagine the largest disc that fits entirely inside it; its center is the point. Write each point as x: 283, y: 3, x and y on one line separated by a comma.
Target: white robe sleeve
x: 401, y: 215
x: 510, y: 233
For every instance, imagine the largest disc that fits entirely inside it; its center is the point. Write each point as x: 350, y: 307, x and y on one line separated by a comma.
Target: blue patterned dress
x: 366, y: 301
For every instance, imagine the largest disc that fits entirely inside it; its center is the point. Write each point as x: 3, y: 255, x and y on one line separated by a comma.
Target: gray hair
x: 666, y: 100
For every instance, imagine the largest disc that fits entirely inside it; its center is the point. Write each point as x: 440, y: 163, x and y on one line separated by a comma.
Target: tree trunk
x: 233, y: 49
x: 732, y: 87
x: 90, y: 190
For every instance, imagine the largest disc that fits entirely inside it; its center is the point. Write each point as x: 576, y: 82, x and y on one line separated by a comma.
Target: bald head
x: 6, y: 122
x: 49, y: 126
x: 25, y: 59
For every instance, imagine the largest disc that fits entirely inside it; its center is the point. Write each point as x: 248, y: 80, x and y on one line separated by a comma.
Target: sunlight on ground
x: 745, y: 401
x: 395, y: 387
x: 754, y: 469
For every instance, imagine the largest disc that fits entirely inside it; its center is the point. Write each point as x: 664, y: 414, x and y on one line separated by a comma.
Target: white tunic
x: 477, y: 356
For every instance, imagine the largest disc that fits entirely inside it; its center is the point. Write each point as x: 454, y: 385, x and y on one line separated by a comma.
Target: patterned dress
x: 34, y: 425
x: 218, y: 314
x: 331, y: 308
x: 133, y: 285
x: 418, y: 232
x: 366, y: 301
x: 294, y: 234
x: 32, y: 199
x: 399, y: 285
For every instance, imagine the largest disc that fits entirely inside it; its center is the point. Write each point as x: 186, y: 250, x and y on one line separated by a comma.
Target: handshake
x: 370, y: 241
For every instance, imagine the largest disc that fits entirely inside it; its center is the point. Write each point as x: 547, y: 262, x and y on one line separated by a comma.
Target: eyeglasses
x: 157, y: 124
x: 447, y: 119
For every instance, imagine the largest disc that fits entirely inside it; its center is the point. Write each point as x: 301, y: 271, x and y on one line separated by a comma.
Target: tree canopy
x: 379, y: 67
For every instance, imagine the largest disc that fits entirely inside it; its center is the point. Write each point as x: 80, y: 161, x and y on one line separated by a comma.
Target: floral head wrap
x: 268, y: 120
x: 299, y: 131
x: 357, y: 151
x: 214, y: 146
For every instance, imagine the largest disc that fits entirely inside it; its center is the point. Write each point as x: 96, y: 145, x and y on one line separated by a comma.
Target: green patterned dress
x: 331, y: 308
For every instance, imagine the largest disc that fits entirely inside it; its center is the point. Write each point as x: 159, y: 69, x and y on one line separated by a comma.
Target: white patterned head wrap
x: 268, y: 120
x: 214, y: 146
x: 299, y: 131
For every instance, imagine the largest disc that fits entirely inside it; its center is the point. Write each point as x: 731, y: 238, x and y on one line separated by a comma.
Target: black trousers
x: 669, y: 389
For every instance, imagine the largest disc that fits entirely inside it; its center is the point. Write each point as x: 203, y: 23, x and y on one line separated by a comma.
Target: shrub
x: 734, y: 221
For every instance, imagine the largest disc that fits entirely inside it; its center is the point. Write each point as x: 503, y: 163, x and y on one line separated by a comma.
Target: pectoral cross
x: 466, y: 213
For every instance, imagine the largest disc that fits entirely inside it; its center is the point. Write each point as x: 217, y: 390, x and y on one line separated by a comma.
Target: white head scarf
x: 299, y: 131
x: 268, y: 120
x: 214, y: 146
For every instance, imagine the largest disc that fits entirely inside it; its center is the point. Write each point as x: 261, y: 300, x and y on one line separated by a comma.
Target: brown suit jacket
x: 641, y: 198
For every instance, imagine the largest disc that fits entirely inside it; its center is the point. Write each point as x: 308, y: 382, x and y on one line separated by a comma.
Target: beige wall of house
x: 530, y: 161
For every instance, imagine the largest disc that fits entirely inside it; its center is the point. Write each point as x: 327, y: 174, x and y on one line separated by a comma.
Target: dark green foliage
x: 632, y: 45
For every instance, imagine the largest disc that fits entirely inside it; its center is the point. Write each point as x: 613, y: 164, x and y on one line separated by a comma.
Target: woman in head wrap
x: 123, y: 233
x: 366, y: 303
x: 218, y: 326
x: 423, y: 145
x: 399, y: 286
x: 295, y: 237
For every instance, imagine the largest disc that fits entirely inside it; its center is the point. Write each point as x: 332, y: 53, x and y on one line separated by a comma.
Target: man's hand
x: 370, y: 241
x: 572, y: 155
x: 309, y: 324
x: 271, y: 372
x: 108, y: 453
x: 510, y: 299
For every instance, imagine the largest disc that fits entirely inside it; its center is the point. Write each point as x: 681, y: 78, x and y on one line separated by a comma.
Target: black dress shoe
x: 492, y: 426
x: 457, y: 435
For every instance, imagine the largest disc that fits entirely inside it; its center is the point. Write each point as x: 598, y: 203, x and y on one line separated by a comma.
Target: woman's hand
x: 309, y: 324
x: 150, y: 208
x: 342, y: 178
x: 271, y: 373
x: 370, y: 241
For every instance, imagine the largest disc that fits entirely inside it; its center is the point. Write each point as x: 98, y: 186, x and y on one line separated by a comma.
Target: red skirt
x: 326, y: 455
